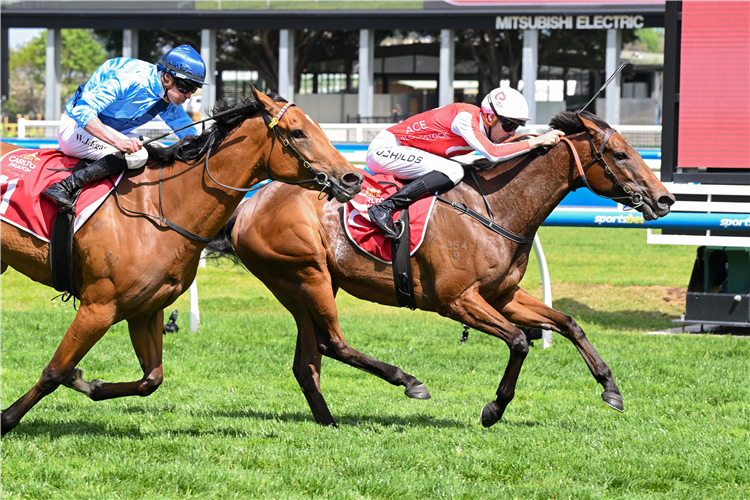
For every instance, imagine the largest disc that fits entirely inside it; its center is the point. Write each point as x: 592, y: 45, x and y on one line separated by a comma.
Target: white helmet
x: 506, y: 102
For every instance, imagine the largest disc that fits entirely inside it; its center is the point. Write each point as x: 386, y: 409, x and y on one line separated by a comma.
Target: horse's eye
x: 298, y: 134
x: 620, y: 156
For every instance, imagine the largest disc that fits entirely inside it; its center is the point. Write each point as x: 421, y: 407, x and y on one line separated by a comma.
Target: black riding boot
x: 65, y: 192
x: 382, y: 213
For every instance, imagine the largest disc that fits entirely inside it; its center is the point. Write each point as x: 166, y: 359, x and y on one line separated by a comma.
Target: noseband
x: 597, y: 157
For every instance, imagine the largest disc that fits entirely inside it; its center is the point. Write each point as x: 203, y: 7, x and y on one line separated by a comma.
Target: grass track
x: 230, y: 421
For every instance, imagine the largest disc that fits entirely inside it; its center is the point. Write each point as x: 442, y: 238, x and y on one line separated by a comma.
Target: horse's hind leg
x: 90, y: 325
x: 523, y: 309
x: 146, y: 336
x: 314, y: 340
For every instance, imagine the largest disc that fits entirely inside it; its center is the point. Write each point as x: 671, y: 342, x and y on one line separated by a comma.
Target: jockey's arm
x: 549, y: 139
x: 102, y: 132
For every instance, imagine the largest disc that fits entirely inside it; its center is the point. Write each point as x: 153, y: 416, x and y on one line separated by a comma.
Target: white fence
x: 639, y: 136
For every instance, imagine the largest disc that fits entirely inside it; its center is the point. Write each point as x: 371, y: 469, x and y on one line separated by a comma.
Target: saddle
x: 24, y: 174
x: 366, y: 236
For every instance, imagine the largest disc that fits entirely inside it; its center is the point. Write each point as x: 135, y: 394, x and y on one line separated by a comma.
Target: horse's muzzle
x: 347, y: 186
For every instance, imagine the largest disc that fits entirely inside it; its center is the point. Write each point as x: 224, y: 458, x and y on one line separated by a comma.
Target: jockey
x: 419, y: 147
x: 121, y: 95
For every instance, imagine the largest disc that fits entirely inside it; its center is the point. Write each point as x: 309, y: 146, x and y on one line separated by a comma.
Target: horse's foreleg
x: 523, y: 309
x: 146, y: 336
x: 472, y: 310
x: 90, y: 325
x: 3, y: 267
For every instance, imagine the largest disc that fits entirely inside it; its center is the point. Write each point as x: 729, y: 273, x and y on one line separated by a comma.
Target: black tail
x: 221, y: 245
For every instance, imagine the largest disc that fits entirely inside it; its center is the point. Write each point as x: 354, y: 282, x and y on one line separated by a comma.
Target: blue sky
x: 21, y: 36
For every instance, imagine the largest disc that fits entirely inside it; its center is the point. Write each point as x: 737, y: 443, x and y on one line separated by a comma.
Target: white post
x: 195, y: 313
x: 529, y: 69
x: 52, y: 104
x: 546, y: 287
x: 130, y: 43
x: 613, y: 92
x: 208, y: 53
x: 22, y: 128
x: 366, y: 72
x: 447, y: 63
x: 286, y: 64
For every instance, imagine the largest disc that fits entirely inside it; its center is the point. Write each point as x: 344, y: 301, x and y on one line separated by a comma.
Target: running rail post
x: 546, y: 287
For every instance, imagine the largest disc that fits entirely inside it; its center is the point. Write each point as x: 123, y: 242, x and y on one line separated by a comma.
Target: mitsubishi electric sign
x: 584, y: 22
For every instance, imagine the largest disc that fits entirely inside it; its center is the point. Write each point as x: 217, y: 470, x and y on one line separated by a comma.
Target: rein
x: 598, y: 157
x: 320, y: 177
x: 489, y: 223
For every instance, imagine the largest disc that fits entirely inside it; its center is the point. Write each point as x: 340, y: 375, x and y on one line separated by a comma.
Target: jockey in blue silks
x: 121, y: 95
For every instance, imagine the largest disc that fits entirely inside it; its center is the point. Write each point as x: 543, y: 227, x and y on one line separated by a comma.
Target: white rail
x: 637, y: 135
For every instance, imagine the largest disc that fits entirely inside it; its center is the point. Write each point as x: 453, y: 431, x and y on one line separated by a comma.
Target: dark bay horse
x: 130, y: 267
x: 462, y: 270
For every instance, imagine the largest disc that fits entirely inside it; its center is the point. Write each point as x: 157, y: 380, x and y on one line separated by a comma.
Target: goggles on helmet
x: 186, y: 86
x: 510, y: 125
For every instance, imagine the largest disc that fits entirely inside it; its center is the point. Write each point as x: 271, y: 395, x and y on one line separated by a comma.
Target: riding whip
x: 609, y: 80
x: 226, y: 112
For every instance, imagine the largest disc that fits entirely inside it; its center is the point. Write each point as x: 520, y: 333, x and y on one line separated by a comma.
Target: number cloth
x: 366, y: 235
x: 24, y: 174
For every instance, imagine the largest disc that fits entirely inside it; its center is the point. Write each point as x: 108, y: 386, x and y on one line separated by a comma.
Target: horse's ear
x: 255, y: 92
x: 588, y: 124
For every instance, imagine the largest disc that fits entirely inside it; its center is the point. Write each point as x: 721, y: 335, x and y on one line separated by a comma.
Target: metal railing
x: 639, y: 136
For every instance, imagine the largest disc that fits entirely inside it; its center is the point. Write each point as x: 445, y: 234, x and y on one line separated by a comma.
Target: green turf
x: 230, y: 421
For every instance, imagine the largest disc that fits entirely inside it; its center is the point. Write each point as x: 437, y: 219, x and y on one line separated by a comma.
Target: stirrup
x: 397, y: 224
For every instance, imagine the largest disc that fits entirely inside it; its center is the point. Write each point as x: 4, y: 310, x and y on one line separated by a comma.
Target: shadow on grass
x: 344, y: 420
x: 57, y: 430
x: 630, y: 319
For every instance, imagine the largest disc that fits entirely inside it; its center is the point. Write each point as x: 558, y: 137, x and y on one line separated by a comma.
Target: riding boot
x: 65, y: 192
x: 382, y: 213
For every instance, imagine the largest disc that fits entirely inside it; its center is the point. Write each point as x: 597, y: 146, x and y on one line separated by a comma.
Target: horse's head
x: 305, y: 155
x: 614, y: 169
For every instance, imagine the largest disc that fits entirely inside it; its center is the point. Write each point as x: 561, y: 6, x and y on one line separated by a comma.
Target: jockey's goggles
x: 186, y: 86
x: 510, y: 125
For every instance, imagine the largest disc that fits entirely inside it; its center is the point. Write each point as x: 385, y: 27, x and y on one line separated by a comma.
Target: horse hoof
x: 614, y: 400
x: 491, y: 414
x: 418, y: 392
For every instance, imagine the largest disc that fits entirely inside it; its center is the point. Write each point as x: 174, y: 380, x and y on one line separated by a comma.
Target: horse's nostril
x: 666, y: 200
x: 352, y: 178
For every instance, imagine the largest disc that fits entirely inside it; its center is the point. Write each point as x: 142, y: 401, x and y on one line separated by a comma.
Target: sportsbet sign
x: 569, y: 22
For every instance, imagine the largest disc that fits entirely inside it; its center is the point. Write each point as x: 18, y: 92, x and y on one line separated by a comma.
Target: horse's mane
x: 192, y: 147
x: 567, y: 121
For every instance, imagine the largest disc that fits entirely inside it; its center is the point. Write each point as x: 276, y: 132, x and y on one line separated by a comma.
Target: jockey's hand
x: 549, y: 139
x: 129, y: 145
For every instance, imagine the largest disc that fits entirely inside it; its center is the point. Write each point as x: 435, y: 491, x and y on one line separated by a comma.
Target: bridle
x: 597, y: 156
x: 319, y: 178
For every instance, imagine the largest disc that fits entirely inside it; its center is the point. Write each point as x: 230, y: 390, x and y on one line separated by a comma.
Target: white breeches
x: 386, y: 155
x: 76, y: 142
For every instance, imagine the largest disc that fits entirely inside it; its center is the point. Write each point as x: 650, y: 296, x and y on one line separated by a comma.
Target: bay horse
x: 129, y: 266
x: 462, y: 270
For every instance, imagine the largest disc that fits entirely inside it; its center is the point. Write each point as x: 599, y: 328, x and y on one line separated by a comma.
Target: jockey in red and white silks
x: 420, y: 147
